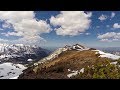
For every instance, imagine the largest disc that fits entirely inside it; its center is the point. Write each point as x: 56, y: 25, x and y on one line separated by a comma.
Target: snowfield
x: 14, y: 77
x: 10, y: 70
x: 107, y: 55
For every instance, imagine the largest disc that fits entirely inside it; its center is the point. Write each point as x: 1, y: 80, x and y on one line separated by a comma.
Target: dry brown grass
x: 58, y: 67
x: 75, y: 58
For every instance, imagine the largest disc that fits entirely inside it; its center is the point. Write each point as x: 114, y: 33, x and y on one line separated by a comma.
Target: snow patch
x: 10, y: 70
x: 75, y: 72
x: 29, y: 60
x: 114, y: 63
x: 72, y: 74
x: 69, y: 70
x: 14, y: 77
x: 108, y: 55
x: 82, y: 70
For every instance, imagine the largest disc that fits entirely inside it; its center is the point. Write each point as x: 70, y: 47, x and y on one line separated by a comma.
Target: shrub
x: 100, y: 71
x: 118, y: 62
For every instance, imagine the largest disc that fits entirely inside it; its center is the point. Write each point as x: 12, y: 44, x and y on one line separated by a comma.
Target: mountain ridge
x: 66, y: 62
x: 21, y: 53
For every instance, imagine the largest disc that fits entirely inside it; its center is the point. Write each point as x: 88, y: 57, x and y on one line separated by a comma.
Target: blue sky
x: 100, y: 28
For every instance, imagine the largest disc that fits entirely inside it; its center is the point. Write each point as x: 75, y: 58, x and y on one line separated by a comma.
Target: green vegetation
x: 100, y: 71
x: 118, y: 62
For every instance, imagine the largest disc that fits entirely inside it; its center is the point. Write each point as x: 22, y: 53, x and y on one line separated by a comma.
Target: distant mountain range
x: 15, y: 58
x: 20, y: 53
x: 109, y: 48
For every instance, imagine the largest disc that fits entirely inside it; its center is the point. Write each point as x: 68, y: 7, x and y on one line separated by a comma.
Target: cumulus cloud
x: 13, y: 34
x: 116, y: 25
x: 109, y: 36
x: 36, y: 40
x: 25, y: 25
x: 102, y: 17
x: 71, y: 23
x: 112, y: 14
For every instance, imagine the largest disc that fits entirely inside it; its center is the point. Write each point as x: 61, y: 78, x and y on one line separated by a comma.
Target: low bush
x: 100, y: 71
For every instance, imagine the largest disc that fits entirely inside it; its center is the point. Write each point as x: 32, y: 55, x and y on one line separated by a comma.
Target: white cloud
x: 116, y: 25
x: 25, y: 25
x: 112, y: 14
x: 102, y: 17
x: 104, y: 40
x: 87, y: 33
x: 71, y: 23
x: 36, y: 40
x: 13, y: 34
x: 107, y: 35
x: 110, y: 36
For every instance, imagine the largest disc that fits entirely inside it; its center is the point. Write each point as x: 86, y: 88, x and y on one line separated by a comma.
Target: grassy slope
x: 58, y: 68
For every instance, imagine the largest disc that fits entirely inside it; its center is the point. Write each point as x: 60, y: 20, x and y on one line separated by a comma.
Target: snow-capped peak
x: 79, y: 47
